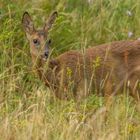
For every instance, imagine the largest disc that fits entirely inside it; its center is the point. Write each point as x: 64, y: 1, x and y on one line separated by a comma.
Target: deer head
x: 38, y: 38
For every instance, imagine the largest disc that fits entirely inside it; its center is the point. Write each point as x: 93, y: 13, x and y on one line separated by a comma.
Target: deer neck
x: 37, y: 65
x: 46, y: 69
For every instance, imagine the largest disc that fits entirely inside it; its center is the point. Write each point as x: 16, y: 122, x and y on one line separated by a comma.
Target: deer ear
x: 50, y: 21
x: 27, y: 23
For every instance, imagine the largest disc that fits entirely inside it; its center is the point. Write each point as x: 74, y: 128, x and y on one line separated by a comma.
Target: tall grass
x: 27, y: 109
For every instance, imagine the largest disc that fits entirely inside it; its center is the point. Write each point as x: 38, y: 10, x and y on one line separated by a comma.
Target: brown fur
x: 105, y: 69
x: 113, y: 70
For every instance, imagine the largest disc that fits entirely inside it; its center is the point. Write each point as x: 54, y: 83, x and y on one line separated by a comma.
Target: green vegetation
x: 27, y: 109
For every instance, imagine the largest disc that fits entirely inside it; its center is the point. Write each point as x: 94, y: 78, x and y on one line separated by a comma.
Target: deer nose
x: 46, y: 54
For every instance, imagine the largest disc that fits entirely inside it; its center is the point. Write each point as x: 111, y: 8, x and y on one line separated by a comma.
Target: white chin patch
x: 44, y: 59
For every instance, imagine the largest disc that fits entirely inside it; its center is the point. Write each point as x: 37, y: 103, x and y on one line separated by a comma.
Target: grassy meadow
x: 27, y: 109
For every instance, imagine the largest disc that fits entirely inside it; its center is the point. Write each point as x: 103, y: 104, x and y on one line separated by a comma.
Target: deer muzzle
x: 46, y: 52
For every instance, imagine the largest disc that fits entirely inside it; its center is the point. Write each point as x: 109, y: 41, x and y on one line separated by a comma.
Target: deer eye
x: 36, y: 42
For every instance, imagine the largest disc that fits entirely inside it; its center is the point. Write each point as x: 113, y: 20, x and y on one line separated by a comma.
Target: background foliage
x: 27, y: 110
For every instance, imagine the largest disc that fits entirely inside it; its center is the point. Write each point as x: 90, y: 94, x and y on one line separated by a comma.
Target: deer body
x: 104, y: 69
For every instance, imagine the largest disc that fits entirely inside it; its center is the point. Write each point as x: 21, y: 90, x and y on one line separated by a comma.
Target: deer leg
x: 108, y: 92
x: 135, y: 87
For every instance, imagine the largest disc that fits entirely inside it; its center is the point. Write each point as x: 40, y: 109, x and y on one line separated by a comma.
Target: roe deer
x: 105, y: 69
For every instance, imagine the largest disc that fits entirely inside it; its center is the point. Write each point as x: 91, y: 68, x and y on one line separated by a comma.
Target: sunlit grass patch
x: 28, y: 110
